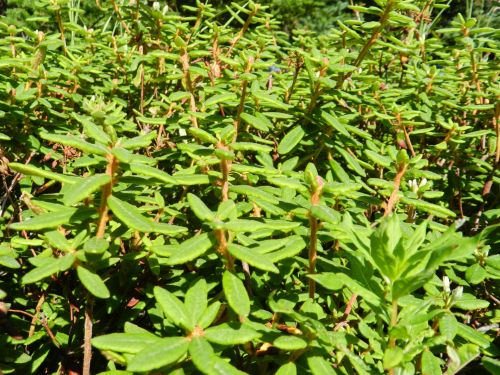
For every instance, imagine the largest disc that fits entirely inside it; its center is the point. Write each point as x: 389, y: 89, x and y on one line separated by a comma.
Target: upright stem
x: 496, y: 125
x: 373, y: 38
x: 245, y: 27
x: 106, y: 192
x: 313, y: 241
x: 313, y: 237
x: 87, y: 347
x: 101, y: 228
x: 241, y: 106
x: 394, y: 195
x: 394, y: 321
x: 189, y: 85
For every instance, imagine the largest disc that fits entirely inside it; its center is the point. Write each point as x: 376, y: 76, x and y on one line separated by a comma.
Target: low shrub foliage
x: 206, y: 193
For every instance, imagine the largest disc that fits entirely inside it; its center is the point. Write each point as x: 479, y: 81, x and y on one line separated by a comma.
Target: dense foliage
x: 210, y: 192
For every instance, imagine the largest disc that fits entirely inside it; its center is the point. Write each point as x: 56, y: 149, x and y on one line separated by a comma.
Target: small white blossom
x: 446, y: 284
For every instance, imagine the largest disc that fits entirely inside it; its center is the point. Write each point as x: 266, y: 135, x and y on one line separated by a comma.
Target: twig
x: 87, y: 345
x: 347, y: 311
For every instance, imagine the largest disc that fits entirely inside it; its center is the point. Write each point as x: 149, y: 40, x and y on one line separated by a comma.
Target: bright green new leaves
x: 260, y: 261
x: 236, y: 294
x: 84, y: 188
x: 45, y: 221
x: 173, y: 308
x: 199, y: 208
x: 386, y: 248
x: 168, y: 350
x: 132, y: 217
x: 291, y: 140
x: 92, y: 282
x: 231, y: 334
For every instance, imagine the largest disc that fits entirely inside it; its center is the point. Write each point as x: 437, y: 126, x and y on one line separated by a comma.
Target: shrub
x: 199, y: 193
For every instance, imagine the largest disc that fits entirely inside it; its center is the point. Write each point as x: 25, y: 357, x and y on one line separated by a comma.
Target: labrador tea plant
x: 188, y: 189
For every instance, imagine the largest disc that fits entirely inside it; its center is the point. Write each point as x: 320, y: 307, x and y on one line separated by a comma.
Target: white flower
x: 446, y: 284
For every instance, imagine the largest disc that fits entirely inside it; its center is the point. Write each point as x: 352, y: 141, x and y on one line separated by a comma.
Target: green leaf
x: 244, y: 225
x: 431, y: 208
x: 147, y: 170
x: 30, y: 170
x: 470, y: 302
x: 352, y: 163
x: 9, y: 262
x: 95, y: 246
x: 92, y: 130
x: 381, y: 160
x: 328, y: 280
x: 236, y: 294
x: 203, y: 135
x: 132, y: 217
x: 291, y: 140
x: 448, y: 326
x: 293, y: 247
x: 191, y: 179
x: 125, y: 342
x: 199, y: 208
x: 189, y: 249
x: 290, y: 343
x: 41, y: 272
x: 270, y: 100
x: 209, y: 315
x: 431, y: 365
x: 57, y: 240
x: 84, y: 188
x: 250, y: 146
x: 491, y: 364
x: 75, y: 142
x: 260, y: 123
x: 141, y: 141
x: 392, y: 357
x: 260, y: 261
x: 220, y: 98
x: 287, y: 369
x: 231, y: 334
x: 202, y: 354
x: 334, y: 123
x: 168, y: 350
x: 221, y: 367
x: 45, y: 221
x: 93, y: 282
x: 196, y: 300
x: 473, y: 336
x: 327, y: 214
x: 404, y: 286
x: 475, y: 274
x: 383, y: 243
x: 320, y: 366
x: 173, y: 308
